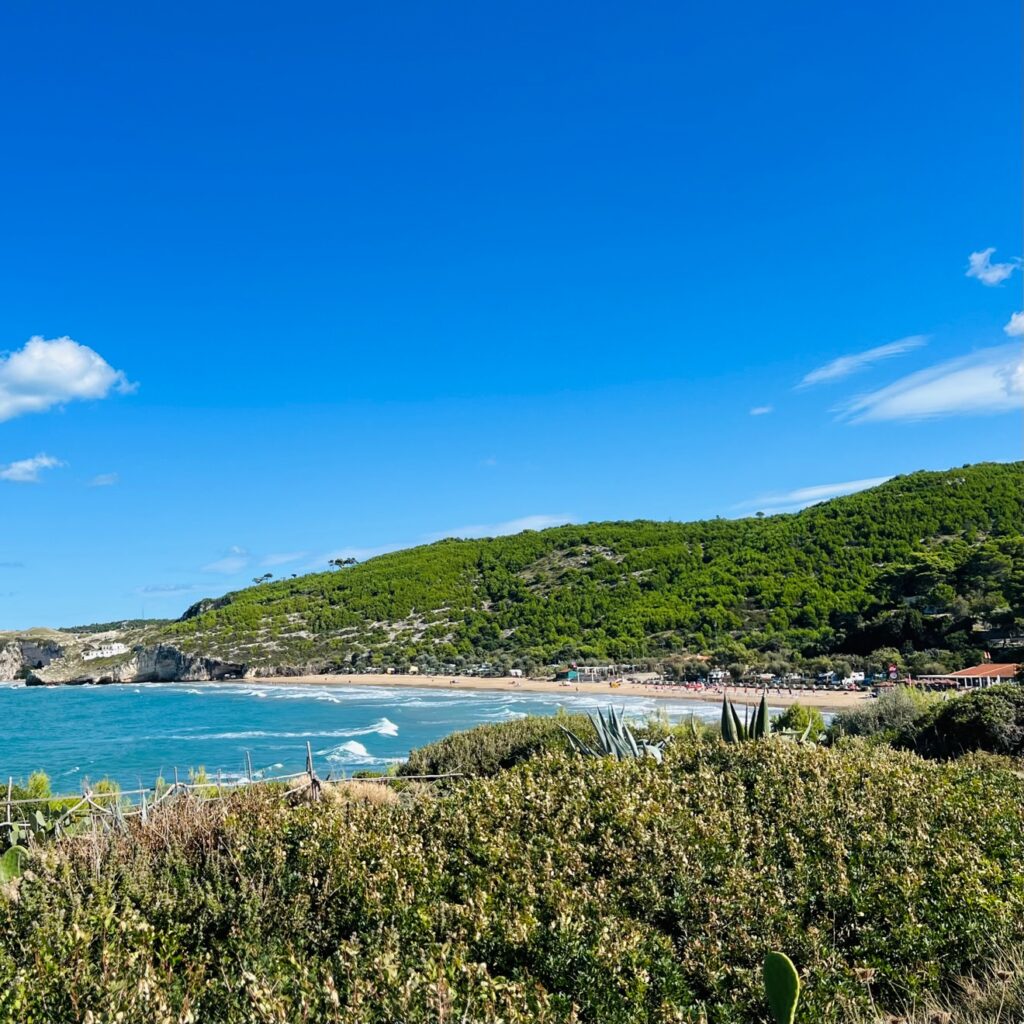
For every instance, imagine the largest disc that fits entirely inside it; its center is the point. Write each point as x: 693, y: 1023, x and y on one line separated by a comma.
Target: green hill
x: 931, y: 564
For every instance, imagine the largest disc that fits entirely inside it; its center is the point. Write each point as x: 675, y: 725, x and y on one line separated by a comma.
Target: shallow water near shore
x: 133, y: 733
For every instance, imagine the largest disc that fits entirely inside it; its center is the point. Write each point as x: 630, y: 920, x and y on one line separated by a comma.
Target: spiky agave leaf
x: 760, y: 728
x: 741, y: 729
x: 655, y: 750
x: 614, y: 739
x: 730, y: 722
x: 577, y: 744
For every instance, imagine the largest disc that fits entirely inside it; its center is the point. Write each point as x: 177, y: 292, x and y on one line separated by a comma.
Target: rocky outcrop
x: 157, y: 664
x: 163, y: 663
x: 11, y: 661
x: 18, y: 656
x: 207, y: 604
x: 39, y: 653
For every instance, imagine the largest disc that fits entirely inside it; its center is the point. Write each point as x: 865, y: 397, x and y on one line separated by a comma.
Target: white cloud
x: 761, y: 410
x: 234, y: 561
x: 983, y: 383
x: 45, y: 373
x: 845, y: 365
x: 980, y: 265
x: 789, y: 501
x: 491, y: 460
x: 537, y: 522
x: 1015, y: 326
x: 104, y: 480
x: 26, y: 471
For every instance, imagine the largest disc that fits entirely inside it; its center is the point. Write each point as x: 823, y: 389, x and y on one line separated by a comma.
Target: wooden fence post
x: 314, y: 782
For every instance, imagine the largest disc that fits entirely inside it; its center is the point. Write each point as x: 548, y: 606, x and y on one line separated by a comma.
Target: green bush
x: 797, y: 718
x: 488, y: 749
x: 883, y: 719
x: 989, y: 720
x: 566, y: 889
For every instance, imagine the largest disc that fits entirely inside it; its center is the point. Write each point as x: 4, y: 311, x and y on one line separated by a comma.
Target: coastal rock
x: 157, y: 664
x: 164, y: 663
x: 17, y: 656
x: 11, y: 661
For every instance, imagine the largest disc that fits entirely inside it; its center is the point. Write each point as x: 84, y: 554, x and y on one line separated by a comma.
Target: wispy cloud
x: 104, y: 480
x: 535, y: 522
x: 282, y: 558
x: 1015, y: 325
x: 490, y: 461
x: 26, y: 471
x: 790, y: 501
x: 45, y: 374
x: 845, y: 365
x: 983, y: 383
x: 762, y: 410
x: 166, y: 589
x: 980, y: 265
x: 234, y: 561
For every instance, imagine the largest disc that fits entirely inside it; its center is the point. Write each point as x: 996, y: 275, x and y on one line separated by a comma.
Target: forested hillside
x: 930, y: 565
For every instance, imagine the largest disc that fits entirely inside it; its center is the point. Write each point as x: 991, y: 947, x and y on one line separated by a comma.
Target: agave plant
x: 614, y: 739
x: 736, y: 731
x: 757, y: 728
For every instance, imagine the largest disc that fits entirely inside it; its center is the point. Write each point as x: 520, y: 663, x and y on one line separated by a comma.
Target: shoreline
x: 823, y: 700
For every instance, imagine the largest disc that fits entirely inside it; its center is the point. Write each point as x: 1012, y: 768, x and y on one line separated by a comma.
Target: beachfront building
x: 974, y: 677
x: 598, y: 673
x: 108, y: 649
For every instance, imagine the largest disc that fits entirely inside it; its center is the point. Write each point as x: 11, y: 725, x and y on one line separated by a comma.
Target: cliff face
x: 18, y: 655
x: 159, y: 663
x: 164, y: 663
x: 11, y: 661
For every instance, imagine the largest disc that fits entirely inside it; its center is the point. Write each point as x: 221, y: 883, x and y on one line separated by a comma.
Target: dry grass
x: 377, y: 794
x: 993, y: 996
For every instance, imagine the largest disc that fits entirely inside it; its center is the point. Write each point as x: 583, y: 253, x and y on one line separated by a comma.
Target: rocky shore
x: 55, y: 659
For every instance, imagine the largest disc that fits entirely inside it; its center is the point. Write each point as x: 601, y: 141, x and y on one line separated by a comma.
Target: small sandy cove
x: 826, y: 700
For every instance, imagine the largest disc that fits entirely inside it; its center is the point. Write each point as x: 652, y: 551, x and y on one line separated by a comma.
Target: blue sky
x: 339, y: 278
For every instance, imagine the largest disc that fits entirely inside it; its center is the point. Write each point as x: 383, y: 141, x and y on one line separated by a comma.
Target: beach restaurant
x: 974, y: 677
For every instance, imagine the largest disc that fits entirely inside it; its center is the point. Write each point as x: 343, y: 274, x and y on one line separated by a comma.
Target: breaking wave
x: 353, y: 752
x: 382, y: 727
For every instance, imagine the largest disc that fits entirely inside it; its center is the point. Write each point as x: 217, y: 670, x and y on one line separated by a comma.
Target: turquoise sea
x: 133, y: 733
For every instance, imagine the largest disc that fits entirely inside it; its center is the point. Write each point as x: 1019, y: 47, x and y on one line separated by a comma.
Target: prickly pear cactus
x: 781, y: 986
x: 10, y: 864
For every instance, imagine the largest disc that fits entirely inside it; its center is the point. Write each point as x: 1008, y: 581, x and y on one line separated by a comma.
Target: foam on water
x: 353, y: 752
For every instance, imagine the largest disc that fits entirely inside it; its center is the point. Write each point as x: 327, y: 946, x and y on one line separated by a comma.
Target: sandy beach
x: 824, y: 699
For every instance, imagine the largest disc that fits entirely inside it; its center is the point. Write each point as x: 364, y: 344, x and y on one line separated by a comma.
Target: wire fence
x: 112, y: 808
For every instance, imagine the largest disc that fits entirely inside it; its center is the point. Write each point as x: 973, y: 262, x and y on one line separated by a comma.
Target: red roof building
x: 977, y: 675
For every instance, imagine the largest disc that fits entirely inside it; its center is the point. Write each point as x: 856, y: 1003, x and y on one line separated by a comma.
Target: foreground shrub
x: 797, y: 718
x: 567, y: 889
x: 989, y: 720
x: 488, y: 749
x: 884, y: 718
